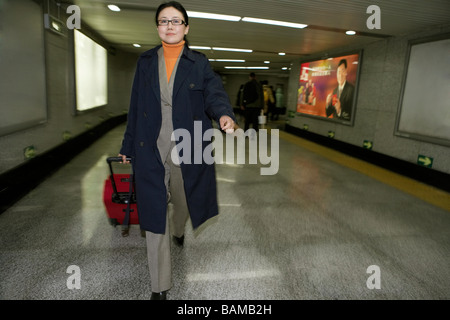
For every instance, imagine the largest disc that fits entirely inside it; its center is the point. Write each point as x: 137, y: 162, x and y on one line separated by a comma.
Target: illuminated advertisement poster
x: 327, y: 88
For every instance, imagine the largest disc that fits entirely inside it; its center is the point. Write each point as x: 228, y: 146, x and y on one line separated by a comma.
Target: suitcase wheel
x: 113, y: 222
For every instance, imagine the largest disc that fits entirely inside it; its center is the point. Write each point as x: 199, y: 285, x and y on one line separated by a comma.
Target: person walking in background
x: 238, y: 110
x: 269, y: 100
x: 173, y: 88
x: 279, y: 102
x: 252, y: 102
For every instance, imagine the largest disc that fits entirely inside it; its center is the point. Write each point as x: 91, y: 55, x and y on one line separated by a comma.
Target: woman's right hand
x: 124, y: 158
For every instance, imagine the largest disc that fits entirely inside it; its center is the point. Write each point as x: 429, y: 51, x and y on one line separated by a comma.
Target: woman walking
x: 174, y: 88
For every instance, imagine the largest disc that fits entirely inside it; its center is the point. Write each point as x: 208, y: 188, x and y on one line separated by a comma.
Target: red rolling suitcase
x: 119, y: 198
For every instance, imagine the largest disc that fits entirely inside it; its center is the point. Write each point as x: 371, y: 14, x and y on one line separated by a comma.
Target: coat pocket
x: 196, y: 98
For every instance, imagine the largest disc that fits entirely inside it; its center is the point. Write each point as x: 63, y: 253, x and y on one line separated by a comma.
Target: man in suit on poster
x: 339, y: 103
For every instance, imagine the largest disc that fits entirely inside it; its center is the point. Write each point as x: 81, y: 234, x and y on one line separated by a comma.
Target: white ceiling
x: 327, y: 22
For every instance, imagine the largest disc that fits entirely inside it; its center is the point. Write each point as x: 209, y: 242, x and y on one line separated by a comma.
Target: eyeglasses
x: 175, y: 22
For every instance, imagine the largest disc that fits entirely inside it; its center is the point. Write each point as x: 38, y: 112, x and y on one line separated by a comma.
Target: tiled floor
x: 311, y: 231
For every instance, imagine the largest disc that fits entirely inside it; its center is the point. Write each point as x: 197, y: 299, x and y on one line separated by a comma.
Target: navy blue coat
x: 198, y: 95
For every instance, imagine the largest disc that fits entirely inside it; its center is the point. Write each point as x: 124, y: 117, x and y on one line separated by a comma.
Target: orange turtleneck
x: 171, y: 53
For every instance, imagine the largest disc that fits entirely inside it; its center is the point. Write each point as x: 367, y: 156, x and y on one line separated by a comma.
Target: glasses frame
x: 171, y: 21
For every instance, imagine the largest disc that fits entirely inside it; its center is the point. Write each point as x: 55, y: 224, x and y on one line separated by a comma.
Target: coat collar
x: 188, y: 53
x: 150, y: 57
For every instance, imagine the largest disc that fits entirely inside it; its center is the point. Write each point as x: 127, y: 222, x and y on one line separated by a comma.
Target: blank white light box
x: 91, y: 73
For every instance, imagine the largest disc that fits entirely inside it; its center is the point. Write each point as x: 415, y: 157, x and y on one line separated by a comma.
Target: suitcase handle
x: 116, y: 159
x: 110, y: 160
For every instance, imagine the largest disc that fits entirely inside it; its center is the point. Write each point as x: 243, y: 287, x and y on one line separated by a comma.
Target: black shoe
x: 159, y: 295
x: 125, y: 231
x: 179, y: 241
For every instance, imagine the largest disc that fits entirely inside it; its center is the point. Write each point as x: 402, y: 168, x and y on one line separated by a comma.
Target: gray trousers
x: 158, y: 245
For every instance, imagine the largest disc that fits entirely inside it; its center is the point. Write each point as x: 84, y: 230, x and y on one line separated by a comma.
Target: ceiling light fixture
x: 281, y: 53
x: 259, y: 68
x: 267, y: 61
x: 232, y: 49
x: 275, y: 23
x: 113, y: 7
x: 56, y: 26
x: 204, y: 15
x: 350, y: 32
x: 230, y: 60
x: 247, y: 68
x: 136, y: 45
x: 199, y: 48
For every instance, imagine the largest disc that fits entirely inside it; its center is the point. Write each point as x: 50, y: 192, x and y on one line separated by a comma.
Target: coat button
x: 145, y: 114
x: 192, y: 86
x: 141, y: 143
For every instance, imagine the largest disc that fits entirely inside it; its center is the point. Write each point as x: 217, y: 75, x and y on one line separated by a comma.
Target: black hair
x: 344, y: 62
x: 179, y: 7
